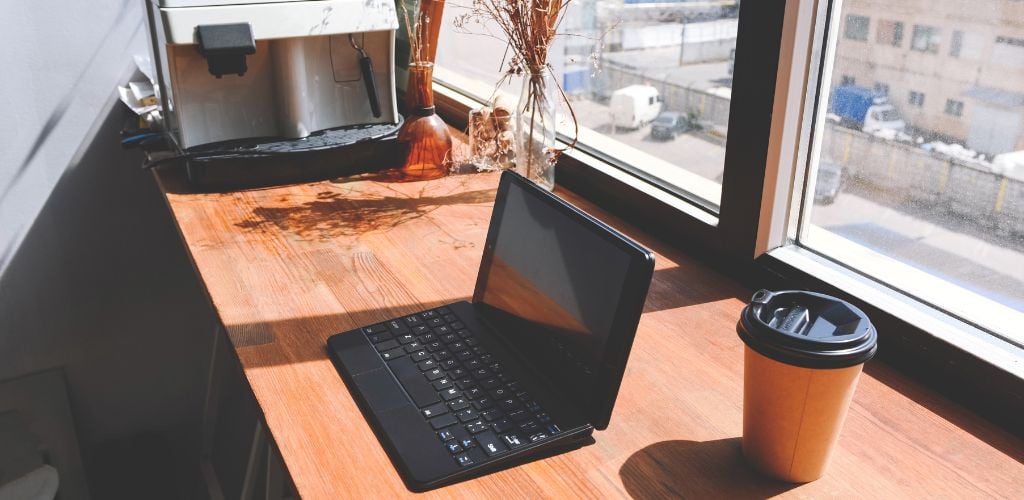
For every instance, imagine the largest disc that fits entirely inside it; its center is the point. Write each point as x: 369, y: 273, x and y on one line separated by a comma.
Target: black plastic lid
x: 807, y: 329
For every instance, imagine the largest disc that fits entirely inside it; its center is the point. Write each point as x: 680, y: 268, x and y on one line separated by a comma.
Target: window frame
x: 781, y: 42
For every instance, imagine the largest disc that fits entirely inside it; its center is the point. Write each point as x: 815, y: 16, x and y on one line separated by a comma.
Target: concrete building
x: 955, y: 70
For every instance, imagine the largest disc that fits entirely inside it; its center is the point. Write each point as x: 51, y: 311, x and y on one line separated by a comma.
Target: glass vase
x: 424, y: 135
x: 536, y: 151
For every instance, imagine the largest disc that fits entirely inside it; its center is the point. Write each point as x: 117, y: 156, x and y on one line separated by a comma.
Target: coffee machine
x: 259, y: 84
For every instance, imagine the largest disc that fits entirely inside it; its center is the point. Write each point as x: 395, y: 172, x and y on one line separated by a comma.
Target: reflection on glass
x: 922, y: 156
x: 623, y: 64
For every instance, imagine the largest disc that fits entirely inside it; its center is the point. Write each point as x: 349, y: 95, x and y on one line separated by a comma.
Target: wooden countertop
x: 287, y: 267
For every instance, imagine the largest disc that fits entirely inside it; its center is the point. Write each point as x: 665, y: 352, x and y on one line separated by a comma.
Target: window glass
x: 615, y: 54
x: 889, y: 33
x: 928, y: 199
x: 857, y: 27
x: 926, y: 39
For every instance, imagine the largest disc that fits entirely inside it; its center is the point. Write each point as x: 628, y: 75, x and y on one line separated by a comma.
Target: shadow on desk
x: 695, y: 469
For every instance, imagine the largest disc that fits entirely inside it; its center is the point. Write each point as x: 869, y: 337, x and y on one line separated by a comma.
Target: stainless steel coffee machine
x: 259, y: 79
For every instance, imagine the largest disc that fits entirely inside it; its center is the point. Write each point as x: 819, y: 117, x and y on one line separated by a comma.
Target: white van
x: 635, y: 106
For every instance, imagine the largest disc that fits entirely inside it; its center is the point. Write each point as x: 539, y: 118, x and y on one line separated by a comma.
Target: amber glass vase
x: 424, y: 134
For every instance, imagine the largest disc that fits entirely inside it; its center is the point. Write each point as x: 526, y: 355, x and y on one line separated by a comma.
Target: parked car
x: 831, y: 181
x: 668, y: 124
x: 635, y: 106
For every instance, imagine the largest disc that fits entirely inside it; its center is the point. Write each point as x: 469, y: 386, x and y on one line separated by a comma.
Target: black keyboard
x: 476, y: 407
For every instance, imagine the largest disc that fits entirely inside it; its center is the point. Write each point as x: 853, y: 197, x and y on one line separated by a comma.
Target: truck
x: 635, y: 106
x: 865, y: 109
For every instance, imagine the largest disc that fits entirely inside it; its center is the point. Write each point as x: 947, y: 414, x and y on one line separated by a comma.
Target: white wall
x: 93, y: 279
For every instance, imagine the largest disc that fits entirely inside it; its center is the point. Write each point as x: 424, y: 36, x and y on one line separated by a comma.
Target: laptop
x: 530, y: 367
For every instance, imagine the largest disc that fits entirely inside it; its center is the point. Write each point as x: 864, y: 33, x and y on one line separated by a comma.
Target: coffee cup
x: 804, y: 353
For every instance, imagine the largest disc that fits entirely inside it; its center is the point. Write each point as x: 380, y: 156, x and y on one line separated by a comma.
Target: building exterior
x: 955, y: 70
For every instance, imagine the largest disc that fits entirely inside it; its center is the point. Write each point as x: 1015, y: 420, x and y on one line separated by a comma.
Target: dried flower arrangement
x: 529, y: 27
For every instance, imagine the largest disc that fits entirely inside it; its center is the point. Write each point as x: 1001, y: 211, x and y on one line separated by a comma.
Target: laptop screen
x: 552, y: 287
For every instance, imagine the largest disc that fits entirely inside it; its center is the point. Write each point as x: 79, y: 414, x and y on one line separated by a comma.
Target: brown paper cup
x: 792, y: 415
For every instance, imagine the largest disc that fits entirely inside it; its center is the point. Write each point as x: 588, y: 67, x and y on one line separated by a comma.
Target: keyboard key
x: 379, y: 337
x: 529, y: 426
x: 457, y: 325
x: 397, y: 327
x: 501, y: 393
x: 450, y: 394
x: 470, y: 341
x: 472, y: 364
x: 467, y: 443
x: 445, y: 435
x: 532, y: 406
x: 483, y: 403
x: 553, y: 429
x: 435, y: 410
x: 468, y: 415
x: 446, y: 337
x: 490, y: 443
x: 474, y: 393
x: 393, y: 354
x: 435, y: 322
x: 465, y: 334
x: 503, y: 425
x: 509, y: 405
x: 434, y: 346
x: 428, y: 337
x: 443, y: 421
x: 406, y: 338
x: 457, y: 373
x: 444, y: 310
x: 413, y: 320
x: 543, y: 418
x: 538, y: 436
x: 512, y: 441
x: 486, y: 358
x: 457, y: 346
x: 435, y: 374
x: 476, y: 427
x: 465, y: 383
x: 414, y: 346
x: 523, y: 395
x: 458, y: 404
x: 489, y: 383
x: 481, y: 373
x: 519, y: 416
x: 420, y: 356
x: 450, y: 318
x: 386, y: 345
x: 449, y: 364
x: 420, y: 330
x: 464, y: 460
x: 428, y: 314
x: 454, y: 447
x: 464, y: 355
x: 442, y: 355
x: 429, y: 364
x: 443, y: 384
x: 492, y: 415
x: 370, y: 330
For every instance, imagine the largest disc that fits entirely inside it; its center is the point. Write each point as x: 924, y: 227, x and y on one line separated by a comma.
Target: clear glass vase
x: 535, y: 128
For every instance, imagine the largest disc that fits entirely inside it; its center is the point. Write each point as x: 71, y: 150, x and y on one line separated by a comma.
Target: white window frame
x: 806, y: 55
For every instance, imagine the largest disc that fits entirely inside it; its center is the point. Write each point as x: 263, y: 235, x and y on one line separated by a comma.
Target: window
x: 882, y: 88
x: 687, y: 61
x: 955, y: 108
x: 926, y: 39
x: 848, y: 80
x: 956, y: 44
x: 930, y: 220
x: 1008, y: 52
x: 857, y: 27
x: 915, y: 98
x: 889, y: 33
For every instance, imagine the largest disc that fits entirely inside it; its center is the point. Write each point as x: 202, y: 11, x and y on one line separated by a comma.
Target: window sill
x: 948, y: 329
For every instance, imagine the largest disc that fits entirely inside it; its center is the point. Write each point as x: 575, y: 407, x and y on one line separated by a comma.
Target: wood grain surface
x: 287, y: 267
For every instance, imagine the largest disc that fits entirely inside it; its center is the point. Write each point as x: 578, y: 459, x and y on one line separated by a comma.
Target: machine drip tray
x: 326, y: 154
